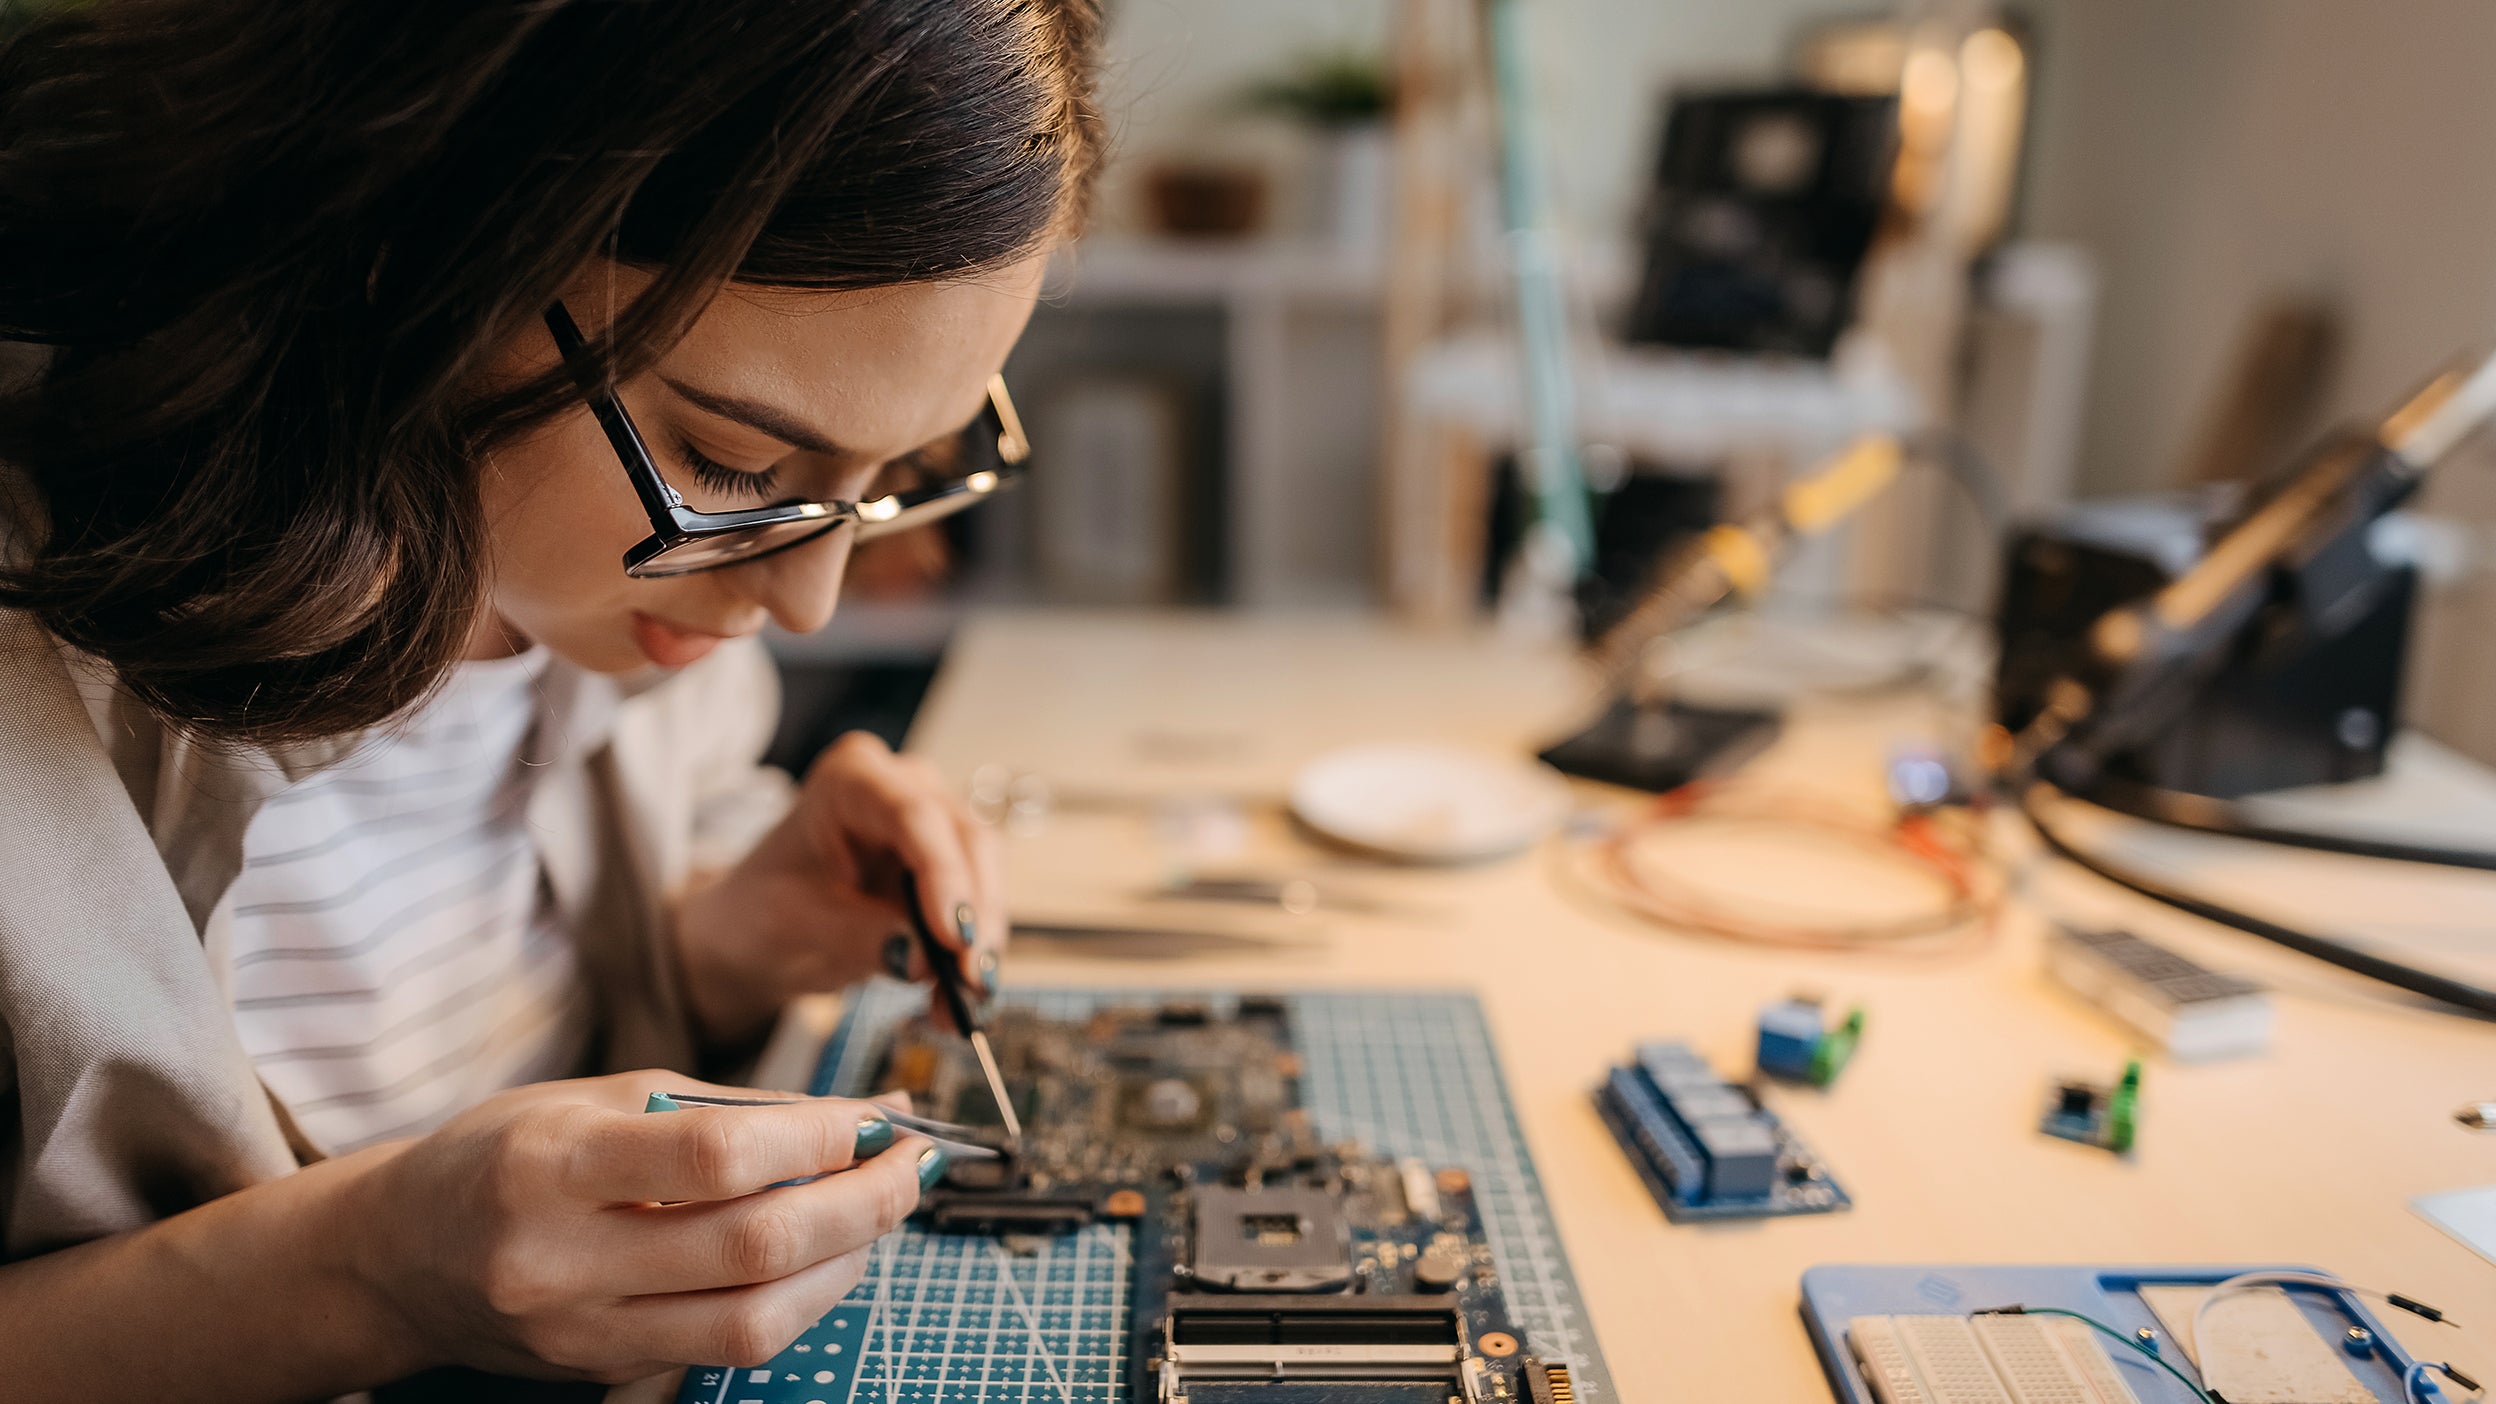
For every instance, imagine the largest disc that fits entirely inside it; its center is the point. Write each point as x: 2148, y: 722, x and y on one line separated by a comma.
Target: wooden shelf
x: 1130, y: 270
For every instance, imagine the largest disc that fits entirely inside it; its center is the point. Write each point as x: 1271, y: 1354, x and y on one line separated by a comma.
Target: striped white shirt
x: 397, y: 955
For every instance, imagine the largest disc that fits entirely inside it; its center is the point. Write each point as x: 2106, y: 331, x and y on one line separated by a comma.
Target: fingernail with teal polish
x: 987, y: 970
x: 932, y: 1163
x: 897, y: 955
x: 966, y: 925
x: 875, y: 1136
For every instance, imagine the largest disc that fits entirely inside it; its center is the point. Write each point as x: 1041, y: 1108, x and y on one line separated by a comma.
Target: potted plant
x: 1343, y: 97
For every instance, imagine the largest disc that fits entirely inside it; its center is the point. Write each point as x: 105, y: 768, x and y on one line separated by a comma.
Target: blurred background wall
x: 1604, y: 69
x: 1225, y: 419
x: 2217, y: 155
x: 2210, y: 155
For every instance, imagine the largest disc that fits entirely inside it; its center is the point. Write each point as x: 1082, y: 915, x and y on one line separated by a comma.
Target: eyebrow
x: 758, y: 416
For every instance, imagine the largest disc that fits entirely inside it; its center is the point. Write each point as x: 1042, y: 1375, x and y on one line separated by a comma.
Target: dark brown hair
x: 271, y: 245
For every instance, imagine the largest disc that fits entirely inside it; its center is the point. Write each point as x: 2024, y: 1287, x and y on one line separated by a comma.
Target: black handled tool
x: 947, y: 968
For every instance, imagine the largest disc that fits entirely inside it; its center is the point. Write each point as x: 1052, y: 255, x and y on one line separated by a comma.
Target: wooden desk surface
x: 2307, y: 1154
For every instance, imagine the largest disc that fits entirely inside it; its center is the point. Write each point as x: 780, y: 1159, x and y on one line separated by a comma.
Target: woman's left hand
x: 817, y: 902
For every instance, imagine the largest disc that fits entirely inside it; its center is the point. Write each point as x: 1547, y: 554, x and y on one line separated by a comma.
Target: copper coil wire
x: 1942, y: 848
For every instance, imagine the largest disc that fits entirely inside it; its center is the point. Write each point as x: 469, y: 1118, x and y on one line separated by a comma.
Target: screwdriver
x: 947, y: 968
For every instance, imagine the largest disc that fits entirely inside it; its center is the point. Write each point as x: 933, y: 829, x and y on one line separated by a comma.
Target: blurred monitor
x: 1764, y: 206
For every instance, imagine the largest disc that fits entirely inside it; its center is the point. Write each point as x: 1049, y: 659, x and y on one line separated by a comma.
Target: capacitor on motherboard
x: 1438, y: 1269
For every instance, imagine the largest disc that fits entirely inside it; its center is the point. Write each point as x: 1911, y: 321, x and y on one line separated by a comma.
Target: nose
x: 799, y: 587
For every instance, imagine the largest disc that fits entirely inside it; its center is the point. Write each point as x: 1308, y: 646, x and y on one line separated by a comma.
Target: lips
x: 671, y: 645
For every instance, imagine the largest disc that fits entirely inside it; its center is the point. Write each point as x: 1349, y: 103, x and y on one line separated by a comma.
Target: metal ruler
x: 959, y: 1320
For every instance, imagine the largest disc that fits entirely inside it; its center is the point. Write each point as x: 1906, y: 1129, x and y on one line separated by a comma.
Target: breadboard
x: 1836, y: 1295
x: 957, y: 1318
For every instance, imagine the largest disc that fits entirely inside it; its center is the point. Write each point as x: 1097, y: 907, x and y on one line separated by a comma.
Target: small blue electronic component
x: 1707, y: 1149
x: 2107, y: 1117
x: 1789, y: 1033
x: 1794, y: 1045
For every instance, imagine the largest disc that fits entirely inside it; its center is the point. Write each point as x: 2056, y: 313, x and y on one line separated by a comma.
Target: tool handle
x: 942, y: 961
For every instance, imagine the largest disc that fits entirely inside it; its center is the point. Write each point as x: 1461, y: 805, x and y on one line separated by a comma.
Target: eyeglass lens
x: 973, y: 457
x: 731, y: 548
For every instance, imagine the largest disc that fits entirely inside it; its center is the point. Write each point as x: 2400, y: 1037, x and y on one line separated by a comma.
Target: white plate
x: 1430, y: 804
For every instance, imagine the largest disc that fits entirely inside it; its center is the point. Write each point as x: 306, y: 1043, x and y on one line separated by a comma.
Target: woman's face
x: 774, y: 395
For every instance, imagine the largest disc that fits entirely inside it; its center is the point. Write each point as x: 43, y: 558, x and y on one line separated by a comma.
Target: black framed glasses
x: 992, y: 453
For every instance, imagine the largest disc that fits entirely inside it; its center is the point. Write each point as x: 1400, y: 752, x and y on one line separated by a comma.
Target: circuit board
x: 1708, y: 1149
x: 1177, y: 1224
x: 2095, y: 1114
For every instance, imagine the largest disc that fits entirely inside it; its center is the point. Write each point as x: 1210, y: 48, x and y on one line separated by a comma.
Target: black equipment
x: 1764, y: 206
x: 1661, y: 745
x: 2295, y: 570
x: 2301, y: 695
x: 1654, y: 742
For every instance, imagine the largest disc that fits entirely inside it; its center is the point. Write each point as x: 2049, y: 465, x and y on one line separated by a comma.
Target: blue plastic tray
x: 1836, y: 1293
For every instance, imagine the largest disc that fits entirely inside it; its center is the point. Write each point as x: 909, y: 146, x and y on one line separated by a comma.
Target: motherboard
x: 1269, y: 1265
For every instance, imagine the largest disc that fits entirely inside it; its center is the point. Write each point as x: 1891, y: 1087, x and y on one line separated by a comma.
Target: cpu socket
x: 1270, y: 1240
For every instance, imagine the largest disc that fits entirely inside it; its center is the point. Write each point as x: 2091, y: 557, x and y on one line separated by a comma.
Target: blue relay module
x: 1707, y: 1149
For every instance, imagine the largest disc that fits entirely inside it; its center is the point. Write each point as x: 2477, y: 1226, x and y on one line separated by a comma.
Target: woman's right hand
x: 556, y: 1231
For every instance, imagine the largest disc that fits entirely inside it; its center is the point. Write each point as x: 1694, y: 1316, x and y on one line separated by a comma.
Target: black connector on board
x: 1547, y: 1381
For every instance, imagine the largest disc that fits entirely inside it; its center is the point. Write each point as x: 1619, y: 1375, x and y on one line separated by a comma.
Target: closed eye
x: 760, y: 486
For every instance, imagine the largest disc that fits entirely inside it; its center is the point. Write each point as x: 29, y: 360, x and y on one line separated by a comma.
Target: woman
x: 421, y: 407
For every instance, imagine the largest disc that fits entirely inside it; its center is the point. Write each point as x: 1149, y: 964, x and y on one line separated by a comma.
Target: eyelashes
x: 720, y: 478
x: 914, y: 469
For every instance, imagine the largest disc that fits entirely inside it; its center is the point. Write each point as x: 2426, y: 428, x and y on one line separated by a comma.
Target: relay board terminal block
x: 1795, y: 1045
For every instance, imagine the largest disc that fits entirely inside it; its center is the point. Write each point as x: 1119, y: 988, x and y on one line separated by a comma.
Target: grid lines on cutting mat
x: 934, y: 1322
x: 956, y: 1318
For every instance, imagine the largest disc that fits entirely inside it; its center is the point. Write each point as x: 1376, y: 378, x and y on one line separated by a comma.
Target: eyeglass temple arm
x: 1013, y: 445
x: 657, y: 499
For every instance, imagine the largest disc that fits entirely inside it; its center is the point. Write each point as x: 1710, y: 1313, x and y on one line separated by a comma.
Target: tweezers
x: 956, y: 1139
